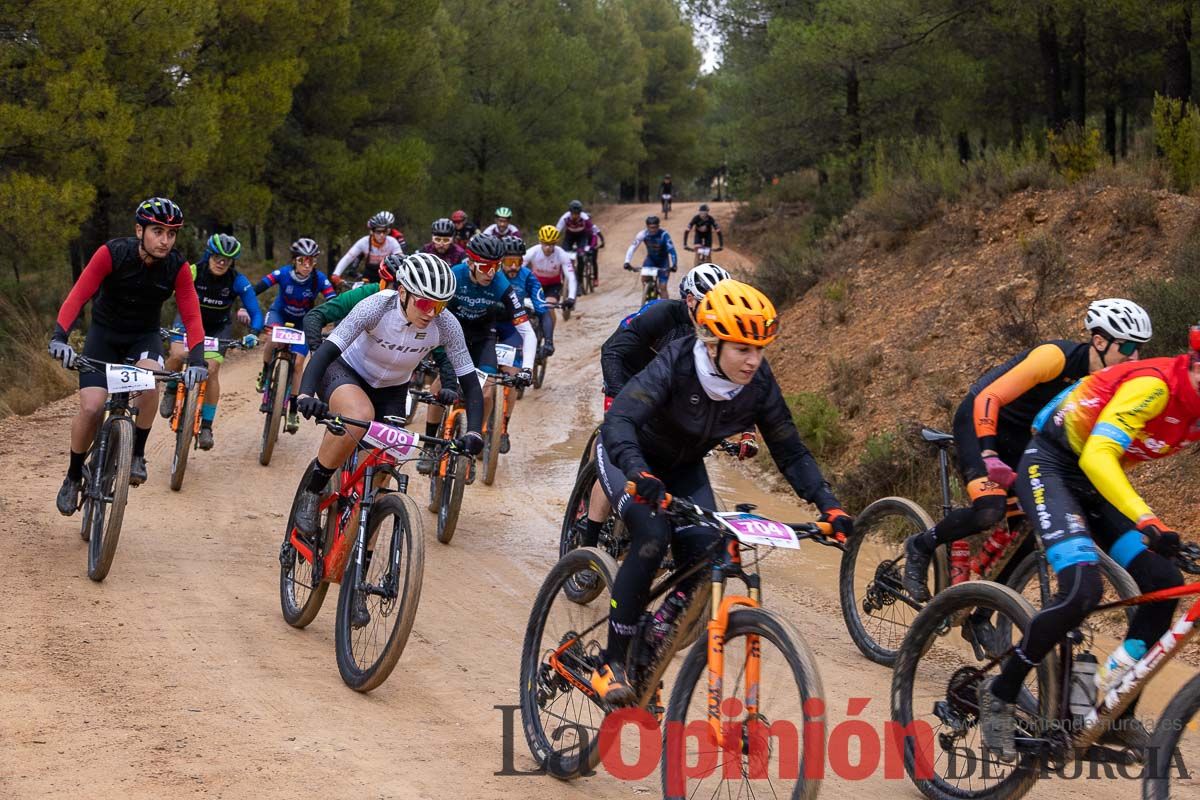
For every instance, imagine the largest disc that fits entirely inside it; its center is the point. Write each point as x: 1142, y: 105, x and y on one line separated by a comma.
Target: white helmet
x: 423, y: 274
x: 384, y: 219
x: 1119, y: 319
x: 701, y: 279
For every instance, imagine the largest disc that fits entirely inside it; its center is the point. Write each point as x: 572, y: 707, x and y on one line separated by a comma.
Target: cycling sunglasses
x: 486, y: 267
x: 306, y: 261
x: 379, y: 231
x: 221, y: 261
x: 1127, y: 348
x: 427, y: 306
x: 443, y: 240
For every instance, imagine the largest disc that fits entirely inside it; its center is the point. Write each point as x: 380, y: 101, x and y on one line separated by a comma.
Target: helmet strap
x: 1107, y: 346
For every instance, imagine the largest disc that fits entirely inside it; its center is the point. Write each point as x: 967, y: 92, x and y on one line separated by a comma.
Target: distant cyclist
x: 442, y: 243
x: 371, y: 249
x: 666, y: 191
x: 578, y: 231
x: 503, y: 225
x: 218, y: 284
x: 464, y: 229
x: 549, y: 264
x: 299, y: 282
x: 130, y: 278
x: 704, y: 226
x: 696, y: 392
x: 529, y: 292
x: 660, y: 252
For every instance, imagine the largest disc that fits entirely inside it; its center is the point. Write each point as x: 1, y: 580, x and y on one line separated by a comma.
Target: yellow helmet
x: 733, y: 311
x: 548, y: 234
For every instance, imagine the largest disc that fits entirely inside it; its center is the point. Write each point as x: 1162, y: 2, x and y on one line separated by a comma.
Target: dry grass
x: 29, y: 378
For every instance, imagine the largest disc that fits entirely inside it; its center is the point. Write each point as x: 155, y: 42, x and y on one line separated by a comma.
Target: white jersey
x: 562, y: 221
x: 548, y: 269
x: 511, y: 230
x: 374, y: 256
x: 383, y: 347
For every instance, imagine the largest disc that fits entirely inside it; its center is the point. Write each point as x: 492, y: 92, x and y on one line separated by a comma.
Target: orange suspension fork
x: 199, y: 406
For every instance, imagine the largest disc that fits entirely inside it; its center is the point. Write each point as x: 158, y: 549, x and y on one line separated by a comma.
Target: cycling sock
x: 75, y: 470
x: 140, y: 435
x: 592, y: 535
x: 1012, y: 674
x: 171, y: 386
x: 208, y: 412
x: 431, y: 429
x: 320, y: 476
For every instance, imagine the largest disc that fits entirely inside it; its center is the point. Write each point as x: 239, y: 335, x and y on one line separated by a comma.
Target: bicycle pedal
x: 1100, y: 754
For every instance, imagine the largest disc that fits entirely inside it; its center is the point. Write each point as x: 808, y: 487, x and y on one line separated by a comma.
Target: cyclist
x: 503, y: 225
x: 704, y: 226
x: 299, y: 284
x: 217, y: 283
x: 529, y: 292
x: 1073, y: 474
x: 666, y: 192
x: 481, y: 298
x: 660, y: 252
x: 577, y: 230
x: 696, y: 392
x: 442, y: 243
x: 464, y: 229
x: 377, y: 245
x: 991, y: 430
x: 549, y: 262
x: 130, y: 278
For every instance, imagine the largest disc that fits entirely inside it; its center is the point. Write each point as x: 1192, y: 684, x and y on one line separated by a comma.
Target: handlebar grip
x: 631, y: 490
x: 826, y: 530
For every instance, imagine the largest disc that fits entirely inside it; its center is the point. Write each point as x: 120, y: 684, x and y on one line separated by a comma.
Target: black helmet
x: 159, y: 211
x: 704, y: 206
x: 443, y: 227
x: 575, y: 205
x: 514, y: 246
x: 651, y: 220
x: 305, y: 247
x: 485, y: 247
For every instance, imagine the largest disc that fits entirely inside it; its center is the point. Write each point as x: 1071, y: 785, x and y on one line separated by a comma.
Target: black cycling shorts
x: 105, y: 344
x: 481, y: 344
x: 389, y: 401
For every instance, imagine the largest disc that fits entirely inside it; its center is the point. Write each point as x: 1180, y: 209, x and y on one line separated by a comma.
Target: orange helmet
x: 733, y: 311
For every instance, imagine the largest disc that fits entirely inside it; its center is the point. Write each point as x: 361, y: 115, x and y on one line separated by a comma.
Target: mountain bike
x: 875, y: 605
x: 666, y: 206
x: 649, y: 278
x: 368, y: 544
x: 1060, y: 719
x: 452, y: 470
x: 187, y: 407
x: 703, y: 253
x: 106, y: 471
x: 540, y: 359
x: 495, y: 427
x: 769, y: 660
x: 277, y: 390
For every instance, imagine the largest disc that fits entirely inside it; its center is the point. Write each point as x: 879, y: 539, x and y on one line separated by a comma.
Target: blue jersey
x: 660, y: 250
x: 625, y: 322
x: 527, y: 287
x: 295, y: 297
x: 475, y: 304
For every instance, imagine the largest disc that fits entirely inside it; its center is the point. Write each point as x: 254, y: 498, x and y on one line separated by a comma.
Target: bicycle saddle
x: 940, y: 438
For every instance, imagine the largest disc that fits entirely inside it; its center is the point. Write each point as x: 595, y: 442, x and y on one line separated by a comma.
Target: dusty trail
x: 177, y: 676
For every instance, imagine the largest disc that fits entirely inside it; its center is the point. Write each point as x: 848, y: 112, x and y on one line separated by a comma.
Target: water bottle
x: 960, y: 562
x: 994, y: 545
x: 1119, y: 663
x: 1083, y: 683
x: 660, y: 626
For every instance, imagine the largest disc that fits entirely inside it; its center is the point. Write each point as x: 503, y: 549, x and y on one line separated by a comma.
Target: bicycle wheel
x: 938, y: 677
x: 108, y: 510
x: 391, y: 577
x: 183, y: 437
x: 561, y: 723
x: 452, y: 484
x: 491, y: 440
x: 1118, y: 585
x: 613, y: 539
x: 566, y: 311
x: 877, y: 610
x: 539, y: 372
x: 788, y: 679
x: 1174, y: 747
x: 300, y: 598
x: 281, y: 381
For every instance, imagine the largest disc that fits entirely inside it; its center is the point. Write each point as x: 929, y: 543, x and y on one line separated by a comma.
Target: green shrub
x: 819, y: 423
x: 1134, y: 209
x: 1173, y: 305
x: 1076, y: 151
x: 788, y: 269
x: 896, y: 463
x: 1177, y: 136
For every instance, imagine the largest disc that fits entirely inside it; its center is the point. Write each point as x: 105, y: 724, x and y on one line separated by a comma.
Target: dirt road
x: 178, y: 677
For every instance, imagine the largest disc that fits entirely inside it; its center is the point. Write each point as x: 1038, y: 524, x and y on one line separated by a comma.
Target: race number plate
x: 506, y: 355
x: 649, y: 272
x: 750, y: 529
x: 388, y: 437
x: 282, y: 335
x: 128, y: 379
x: 211, y: 344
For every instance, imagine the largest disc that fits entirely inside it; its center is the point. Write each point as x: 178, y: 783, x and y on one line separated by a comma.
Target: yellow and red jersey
x: 1132, y: 412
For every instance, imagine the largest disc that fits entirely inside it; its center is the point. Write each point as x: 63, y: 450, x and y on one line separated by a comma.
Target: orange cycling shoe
x: 612, y: 685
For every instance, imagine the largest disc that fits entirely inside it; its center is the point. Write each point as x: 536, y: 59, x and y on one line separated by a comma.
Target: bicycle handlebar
x: 88, y: 364
x: 336, y: 424
x: 225, y: 343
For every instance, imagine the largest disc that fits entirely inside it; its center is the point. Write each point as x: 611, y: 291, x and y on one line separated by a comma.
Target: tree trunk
x: 269, y: 243
x: 253, y: 238
x: 1177, y: 58
x: 1051, y: 69
x: 854, y: 132
x: 1110, y: 130
x: 1124, y: 130
x: 964, y: 147
x: 1078, y: 76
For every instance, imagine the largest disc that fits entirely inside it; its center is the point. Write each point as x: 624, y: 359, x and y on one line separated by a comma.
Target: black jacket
x: 662, y: 420
x: 637, y: 340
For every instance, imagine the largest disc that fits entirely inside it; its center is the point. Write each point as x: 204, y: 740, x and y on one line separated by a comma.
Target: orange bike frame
x: 721, y: 606
x: 180, y: 396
